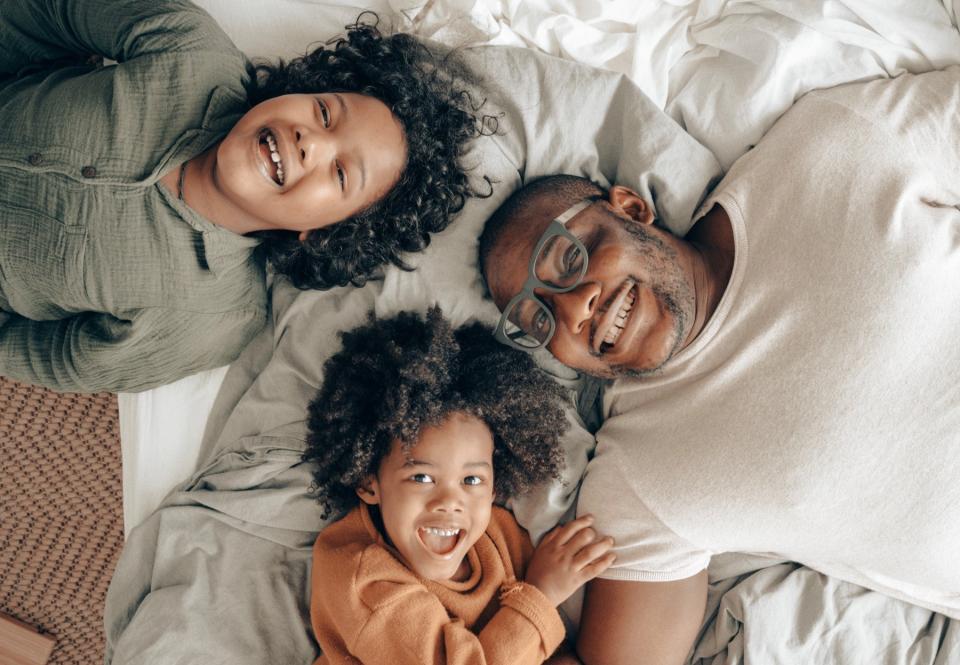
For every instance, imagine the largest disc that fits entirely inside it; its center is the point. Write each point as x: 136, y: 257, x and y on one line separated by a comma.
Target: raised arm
x: 93, y: 352
x: 641, y: 623
x: 41, y: 31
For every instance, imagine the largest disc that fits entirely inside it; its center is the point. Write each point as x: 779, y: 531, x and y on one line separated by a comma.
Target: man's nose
x: 575, y: 308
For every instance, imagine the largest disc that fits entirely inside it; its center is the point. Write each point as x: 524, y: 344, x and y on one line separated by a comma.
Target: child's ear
x: 369, y: 491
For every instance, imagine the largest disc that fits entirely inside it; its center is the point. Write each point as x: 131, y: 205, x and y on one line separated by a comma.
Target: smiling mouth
x: 618, y: 322
x: 270, y: 156
x: 440, y: 541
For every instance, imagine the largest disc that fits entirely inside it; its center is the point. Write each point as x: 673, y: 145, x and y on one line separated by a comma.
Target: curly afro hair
x: 395, y: 376
x: 426, y: 92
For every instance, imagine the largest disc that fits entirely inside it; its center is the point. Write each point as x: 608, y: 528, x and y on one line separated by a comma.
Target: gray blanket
x: 220, y: 572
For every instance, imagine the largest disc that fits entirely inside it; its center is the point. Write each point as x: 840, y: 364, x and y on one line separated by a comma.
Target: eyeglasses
x: 557, y: 265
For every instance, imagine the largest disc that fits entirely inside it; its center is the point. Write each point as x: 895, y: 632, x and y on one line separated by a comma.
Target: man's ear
x: 369, y: 491
x: 631, y: 204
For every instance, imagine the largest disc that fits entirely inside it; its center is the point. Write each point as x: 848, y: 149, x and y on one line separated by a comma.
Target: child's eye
x: 421, y: 478
x: 473, y: 480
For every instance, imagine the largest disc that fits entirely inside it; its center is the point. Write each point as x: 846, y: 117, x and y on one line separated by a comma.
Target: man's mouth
x: 270, y: 155
x: 615, y: 317
x: 439, y: 540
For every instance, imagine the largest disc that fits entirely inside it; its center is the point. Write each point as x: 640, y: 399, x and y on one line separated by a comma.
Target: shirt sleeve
x: 93, y: 352
x: 921, y: 113
x: 647, y: 549
x: 413, y: 628
x: 43, y: 31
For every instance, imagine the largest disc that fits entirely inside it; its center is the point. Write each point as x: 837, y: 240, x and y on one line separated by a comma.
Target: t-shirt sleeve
x: 647, y: 549
x: 920, y: 113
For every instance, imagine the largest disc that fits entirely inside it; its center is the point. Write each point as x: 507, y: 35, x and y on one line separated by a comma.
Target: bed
x: 219, y: 526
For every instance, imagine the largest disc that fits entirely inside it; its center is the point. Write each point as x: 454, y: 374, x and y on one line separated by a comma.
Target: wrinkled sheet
x: 724, y: 69
x: 765, y: 611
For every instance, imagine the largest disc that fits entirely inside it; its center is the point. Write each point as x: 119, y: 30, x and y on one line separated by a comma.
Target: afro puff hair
x: 395, y: 376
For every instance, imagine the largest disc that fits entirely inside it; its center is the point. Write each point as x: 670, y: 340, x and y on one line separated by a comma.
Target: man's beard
x: 662, y: 260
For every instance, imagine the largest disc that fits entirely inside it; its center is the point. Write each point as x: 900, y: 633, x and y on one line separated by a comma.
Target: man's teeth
x: 614, y: 332
x: 446, y: 533
x: 275, y: 156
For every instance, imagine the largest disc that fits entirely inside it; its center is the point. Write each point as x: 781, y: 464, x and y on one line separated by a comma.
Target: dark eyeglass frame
x: 557, y: 227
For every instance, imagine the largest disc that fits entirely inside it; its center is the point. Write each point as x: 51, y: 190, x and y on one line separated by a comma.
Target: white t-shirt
x: 817, y: 415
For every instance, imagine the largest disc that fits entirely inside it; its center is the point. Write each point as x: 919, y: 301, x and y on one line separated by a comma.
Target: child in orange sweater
x: 427, y: 426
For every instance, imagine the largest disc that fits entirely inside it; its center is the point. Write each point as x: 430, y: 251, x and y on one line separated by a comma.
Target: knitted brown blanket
x: 61, y: 517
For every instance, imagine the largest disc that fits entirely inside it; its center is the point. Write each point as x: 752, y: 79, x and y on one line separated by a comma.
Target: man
x: 786, y: 372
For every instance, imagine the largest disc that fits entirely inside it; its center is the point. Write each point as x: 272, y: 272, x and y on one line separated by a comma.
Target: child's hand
x: 568, y: 557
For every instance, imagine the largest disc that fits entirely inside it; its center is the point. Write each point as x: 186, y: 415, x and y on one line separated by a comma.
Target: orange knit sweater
x: 367, y: 607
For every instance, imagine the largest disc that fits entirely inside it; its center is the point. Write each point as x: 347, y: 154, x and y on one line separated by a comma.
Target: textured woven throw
x: 61, y: 517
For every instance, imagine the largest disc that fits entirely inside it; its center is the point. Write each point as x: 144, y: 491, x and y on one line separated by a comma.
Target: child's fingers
x: 597, y: 566
x: 579, y: 540
x: 595, y: 550
x: 572, y: 528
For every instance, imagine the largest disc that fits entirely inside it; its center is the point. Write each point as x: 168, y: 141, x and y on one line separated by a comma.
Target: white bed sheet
x: 724, y: 69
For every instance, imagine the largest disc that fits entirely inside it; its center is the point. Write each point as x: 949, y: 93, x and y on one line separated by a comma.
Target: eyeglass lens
x: 560, y: 265
x: 560, y: 262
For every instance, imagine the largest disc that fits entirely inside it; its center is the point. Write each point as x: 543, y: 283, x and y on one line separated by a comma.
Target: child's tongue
x: 438, y: 544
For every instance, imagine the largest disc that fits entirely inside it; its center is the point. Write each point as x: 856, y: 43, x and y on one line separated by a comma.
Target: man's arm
x: 641, y: 623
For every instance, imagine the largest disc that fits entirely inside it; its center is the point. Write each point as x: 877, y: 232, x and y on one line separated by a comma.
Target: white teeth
x: 433, y: 531
x: 275, y: 155
x: 614, y: 332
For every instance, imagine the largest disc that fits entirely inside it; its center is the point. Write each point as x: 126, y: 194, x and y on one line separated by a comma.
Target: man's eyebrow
x: 548, y: 246
x: 344, y: 114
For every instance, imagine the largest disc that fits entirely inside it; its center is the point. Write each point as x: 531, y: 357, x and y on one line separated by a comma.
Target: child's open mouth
x: 439, y: 540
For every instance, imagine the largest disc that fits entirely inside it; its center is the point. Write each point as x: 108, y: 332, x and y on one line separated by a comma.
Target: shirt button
x: 36, y: 159
x: 88, y: 172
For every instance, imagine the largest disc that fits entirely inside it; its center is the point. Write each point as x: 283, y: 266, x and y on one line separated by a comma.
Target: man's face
x: 302, y: 162
x: 634, y: 306
x: 435, y: 497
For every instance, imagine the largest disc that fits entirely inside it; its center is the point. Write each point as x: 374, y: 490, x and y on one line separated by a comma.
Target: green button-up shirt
x: 107, y: 280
